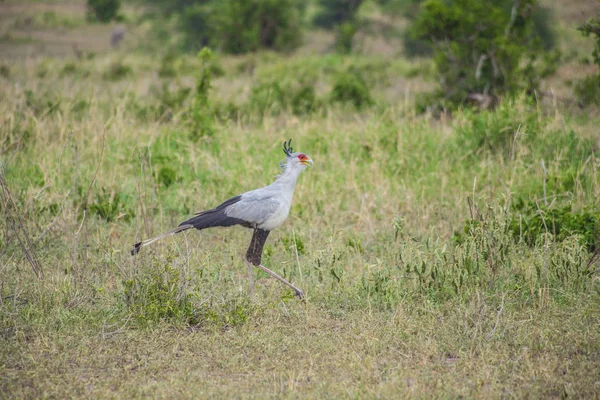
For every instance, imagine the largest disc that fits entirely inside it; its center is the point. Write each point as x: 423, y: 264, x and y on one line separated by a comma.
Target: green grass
x: 440, y: 257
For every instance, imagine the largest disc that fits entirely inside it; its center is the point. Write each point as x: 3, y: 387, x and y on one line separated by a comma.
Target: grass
x: 437, y: 255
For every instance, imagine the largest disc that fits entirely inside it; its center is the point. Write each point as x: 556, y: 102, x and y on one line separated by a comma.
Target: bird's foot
x: 300, y: 294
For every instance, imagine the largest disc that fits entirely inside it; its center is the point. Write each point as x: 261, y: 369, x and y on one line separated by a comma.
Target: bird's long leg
x: 254, y: 258
x: 250, y: 279
x: 275, y: 275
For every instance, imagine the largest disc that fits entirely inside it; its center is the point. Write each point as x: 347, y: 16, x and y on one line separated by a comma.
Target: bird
x: 261, y: 210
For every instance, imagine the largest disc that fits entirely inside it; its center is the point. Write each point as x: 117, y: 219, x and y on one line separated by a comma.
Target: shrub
x: 197, y: 25
x: 276, y: 95
x: 351, y: 87
x: 4, y: 71
x: 588, y: 89
x: 415, y: 46
x: 533, y: 222
x: 165, y: 293
x: 304, y: 100
x: 110, y: 206
x: 117, y: 71
x: 240, y: 26
x: 340, y: 15
x: 161, y: 294
x: 344, y: 37
x: 268, y: 97
x: 335, y: 12
x: 592, y: 28
x: 495, y: 129
x: 482, y: 48
x: 201, y: 114
x: 103, y: 10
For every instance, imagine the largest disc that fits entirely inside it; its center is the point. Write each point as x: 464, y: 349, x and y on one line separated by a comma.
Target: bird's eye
x: 302, y: 157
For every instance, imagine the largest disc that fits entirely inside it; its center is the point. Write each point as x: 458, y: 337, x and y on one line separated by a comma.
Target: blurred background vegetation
x: 481, y: 50
x: 449, y: 231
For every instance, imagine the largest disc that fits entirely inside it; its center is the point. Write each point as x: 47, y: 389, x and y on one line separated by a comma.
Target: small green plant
x: 162, y: 293
x: 103, y: 10
x: 351, y: 87
x: 4, y: 71
x: 117, y: 71
x: 42, y: 104
x: 201, y: 113
x: 495, y: 129
x: 344, y: 37
x: 382, y: 287
x: 533, y: 222
x: 304, y: 100
x: 294, y: 244
x: 170, y: 101
x: 587, y: 90
x: 168, y: 65
x: 268, y: 97
x: 272, y: 96
x: 110, y: 206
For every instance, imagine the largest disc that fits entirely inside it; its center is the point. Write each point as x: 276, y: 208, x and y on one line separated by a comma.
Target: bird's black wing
x: 216, y: 217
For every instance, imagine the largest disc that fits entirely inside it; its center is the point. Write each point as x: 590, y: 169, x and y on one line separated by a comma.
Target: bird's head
x: 296, y: 159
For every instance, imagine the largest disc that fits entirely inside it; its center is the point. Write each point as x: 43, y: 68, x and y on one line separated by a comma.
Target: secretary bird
x: 262, y: 210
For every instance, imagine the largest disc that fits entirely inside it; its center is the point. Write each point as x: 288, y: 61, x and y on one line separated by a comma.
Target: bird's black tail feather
x: 139, y: 245
x: 203, y: 220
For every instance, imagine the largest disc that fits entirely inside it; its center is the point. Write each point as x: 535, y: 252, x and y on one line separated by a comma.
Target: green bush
x: 483, y: 48
x: 344, y: 37
x: 495, y: 129
x: 415, y: 46
x: 587, y: 90
x: 340, y: 15
x: 240, y: 26
x: 201, y: 113
x: 169, y: 101
x: 197, y: 25
x: 110, y: 206
x: 276, y: 95
x: 533, y: 222
x: 103, y: 10
x: 592, y: 28
x: 336, y: 12
x: 4, y: 71
x: 165, y: 293
x: 351, y: 87
x: 117, y: 71
x: 304, y: 100
x: 161, y: 293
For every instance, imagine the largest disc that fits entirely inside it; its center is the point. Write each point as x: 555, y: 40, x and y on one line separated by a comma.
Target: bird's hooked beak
x: 308, y: 163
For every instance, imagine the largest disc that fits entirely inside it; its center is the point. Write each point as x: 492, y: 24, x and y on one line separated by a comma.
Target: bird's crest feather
x: 287, y: 148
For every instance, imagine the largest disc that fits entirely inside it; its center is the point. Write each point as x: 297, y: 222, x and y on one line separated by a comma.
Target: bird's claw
x: 300, y: 295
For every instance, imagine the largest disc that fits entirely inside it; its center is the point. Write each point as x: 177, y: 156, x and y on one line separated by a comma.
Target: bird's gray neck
x: 288, y: 177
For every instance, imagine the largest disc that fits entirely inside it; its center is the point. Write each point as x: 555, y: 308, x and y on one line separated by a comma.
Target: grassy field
x: 442, y: 255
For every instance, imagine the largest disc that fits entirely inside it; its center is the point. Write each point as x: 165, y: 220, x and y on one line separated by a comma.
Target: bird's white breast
x: 276, y: 219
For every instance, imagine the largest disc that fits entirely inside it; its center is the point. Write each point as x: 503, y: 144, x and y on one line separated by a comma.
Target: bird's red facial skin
x: 304, y: 159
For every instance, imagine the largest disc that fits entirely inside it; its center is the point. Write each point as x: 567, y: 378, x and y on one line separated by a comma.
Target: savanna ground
x: 444, y: 256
